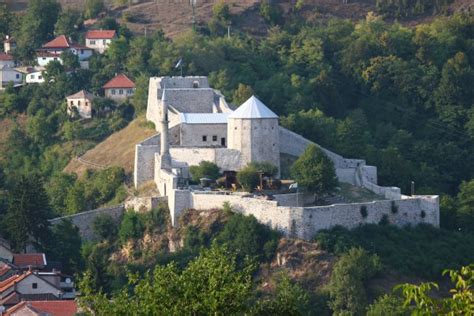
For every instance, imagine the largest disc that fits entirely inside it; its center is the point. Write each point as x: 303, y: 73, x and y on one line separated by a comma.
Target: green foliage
x: 210, y: 284
x: 105, y: 227
x: 68, y: 24
x: 408, y: 8
x: 271, y: 12
x: 205, y: 169
x: 220, y: 18
x: 92, y: 8
x: 314, y: 171
x: 248, y: 177
x: 346, y: 286
x: 387, y: 305
x: 288, y: 299
x: 421, y: 251
x: 248, y: 238
x: 418, y: 301
x: 28, y: 213
x: 66, y: 246
x: 266, y: 167
x: 132, y: 226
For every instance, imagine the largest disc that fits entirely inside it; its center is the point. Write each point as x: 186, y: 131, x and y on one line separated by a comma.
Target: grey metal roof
x: 203, y: 118
x: 253, y: 108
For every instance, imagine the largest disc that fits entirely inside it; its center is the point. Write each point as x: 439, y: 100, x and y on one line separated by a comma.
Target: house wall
x: 35, y: 77
x: 10, y: 75
x: 114, y: 93
x: 82, y: 54
x: 43, y: 61
x: 5, y: 253
x: 192, y: 134
x: 25, y: 287
x: 83, y: 106
x: 99, y: 45
x: 226, y: 159
x: 8, y: 63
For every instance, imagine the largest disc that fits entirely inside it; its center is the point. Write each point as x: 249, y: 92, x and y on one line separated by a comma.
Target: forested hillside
x: 399, y: 96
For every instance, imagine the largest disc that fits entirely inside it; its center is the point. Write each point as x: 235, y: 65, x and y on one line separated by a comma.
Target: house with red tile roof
x: 54, y: 48
x: 29, y: 286
x: 6, y: 60
x: 9, y: 44
x: 43, y: 308
x: 119, y: 88
x: 29, y: 260
x: 99, y: 40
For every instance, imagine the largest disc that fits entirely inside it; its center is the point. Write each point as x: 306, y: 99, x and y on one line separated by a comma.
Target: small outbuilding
x: 80, y: 102
x: 119, y: 88
x: 99, y: 40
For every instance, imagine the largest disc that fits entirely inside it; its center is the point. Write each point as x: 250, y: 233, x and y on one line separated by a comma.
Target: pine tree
x: 28, y: 213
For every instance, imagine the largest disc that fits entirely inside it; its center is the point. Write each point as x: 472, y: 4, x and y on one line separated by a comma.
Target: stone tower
x: 253, y: 130
x: 165, y: 145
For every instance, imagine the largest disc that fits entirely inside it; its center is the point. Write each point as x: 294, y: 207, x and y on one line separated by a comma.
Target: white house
x: 8, y: 74
x: 35, y: 76
x: 119, y: 88
x: 99, y: 40
x: 6, y: 60
x: 53, y: 49
x: 82, y: 102
x: 29, y: 286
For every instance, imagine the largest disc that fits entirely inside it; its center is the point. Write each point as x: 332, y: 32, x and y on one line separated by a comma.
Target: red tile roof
x: 55, y: 308
x: 59, y: 42
x: 5, y: 57
x: 47, y: 54
x: 119, y: 81
x: 83, y: 94
x: 6, y: 284
x: 29, y: 259
x: 4, y: 269
x: 100, y: 34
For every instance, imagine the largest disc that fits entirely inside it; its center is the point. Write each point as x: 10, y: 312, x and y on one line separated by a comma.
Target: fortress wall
x: 304, y: 222
x: 84, y: 220
x: 152, y: 109
x: 144, y: 160
x: 226, y: 159
x: 144, y: 204
x: 178, y: 200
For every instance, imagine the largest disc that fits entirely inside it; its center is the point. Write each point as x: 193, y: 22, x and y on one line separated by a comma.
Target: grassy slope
x: 116, y: 150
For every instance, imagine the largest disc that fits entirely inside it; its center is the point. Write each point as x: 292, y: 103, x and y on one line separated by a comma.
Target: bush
x: 266, y: 167
x: 363, y: 211
x: 347, y: 283
x: 205, y: 169
x: 248, y: 178
x: 104, y: 226
x: 132, y: 226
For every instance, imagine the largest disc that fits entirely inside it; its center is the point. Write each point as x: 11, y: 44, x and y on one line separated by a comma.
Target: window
x: 130, y: 91
x: 17, y: 76
x: 72, y: 102
x: 32, y: 76
x: 82, y: 51
x: 104, y: 42
x: 214, y: 138
x: 34, y: 285
x: 87, y: 104
x: 120, y: 91
x: 113, y: 91
x: 79, y: 103
x: 40, y: 77
x: 92, y: 42
x: 204, y: 138
x: 55, y: 58
x: 44, y: 58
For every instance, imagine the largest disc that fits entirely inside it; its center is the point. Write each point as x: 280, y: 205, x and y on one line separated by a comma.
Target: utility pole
x: 193, y: 5
x: 228, y: 30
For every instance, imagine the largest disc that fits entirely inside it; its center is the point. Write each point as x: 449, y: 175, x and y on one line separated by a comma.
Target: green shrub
x: 104, y: 226
x: 266, y: 167
x: 132, y: 226
x: 384, y: 220
x: 205, y: 169
x: 248, y: 177
x: 363, y: 211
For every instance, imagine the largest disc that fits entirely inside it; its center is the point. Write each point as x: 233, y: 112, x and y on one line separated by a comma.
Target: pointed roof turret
x: 252, y: 108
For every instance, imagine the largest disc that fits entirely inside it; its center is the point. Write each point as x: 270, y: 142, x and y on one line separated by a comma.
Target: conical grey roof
x: 252, y: 108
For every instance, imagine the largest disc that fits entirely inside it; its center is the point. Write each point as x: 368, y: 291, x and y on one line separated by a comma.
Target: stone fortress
x: 195, y: 123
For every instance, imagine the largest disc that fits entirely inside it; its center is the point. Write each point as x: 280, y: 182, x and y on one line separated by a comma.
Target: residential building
x: 99, y: 40
x: 35, y: 76
x: 29, y: 285
x: 119, y: 88
x: 29, y: 260
x: 53, y: 49
x: 6, y: 60
x: 43, y: 308
x: 9, y: 74
x: 44, y: 58
x: 80, y: 102
x: 9, y: 44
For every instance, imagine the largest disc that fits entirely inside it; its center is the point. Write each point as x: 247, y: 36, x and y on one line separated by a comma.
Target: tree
x: 66, y: 247
x: 388, y: 305
x: 314, y: 171
x: 248, y: 177
x: 28, y: 213
x: 242, y: 93
x: 68, y: 24
x: 346, y: 286
x: 132, y: 226
x: 465, y: 212
x: 266, y: 167
x: 205, y: 169
x: 93, y: 8
x: 211, y: 284
x: 57, y: 188
x: 418, y: 301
